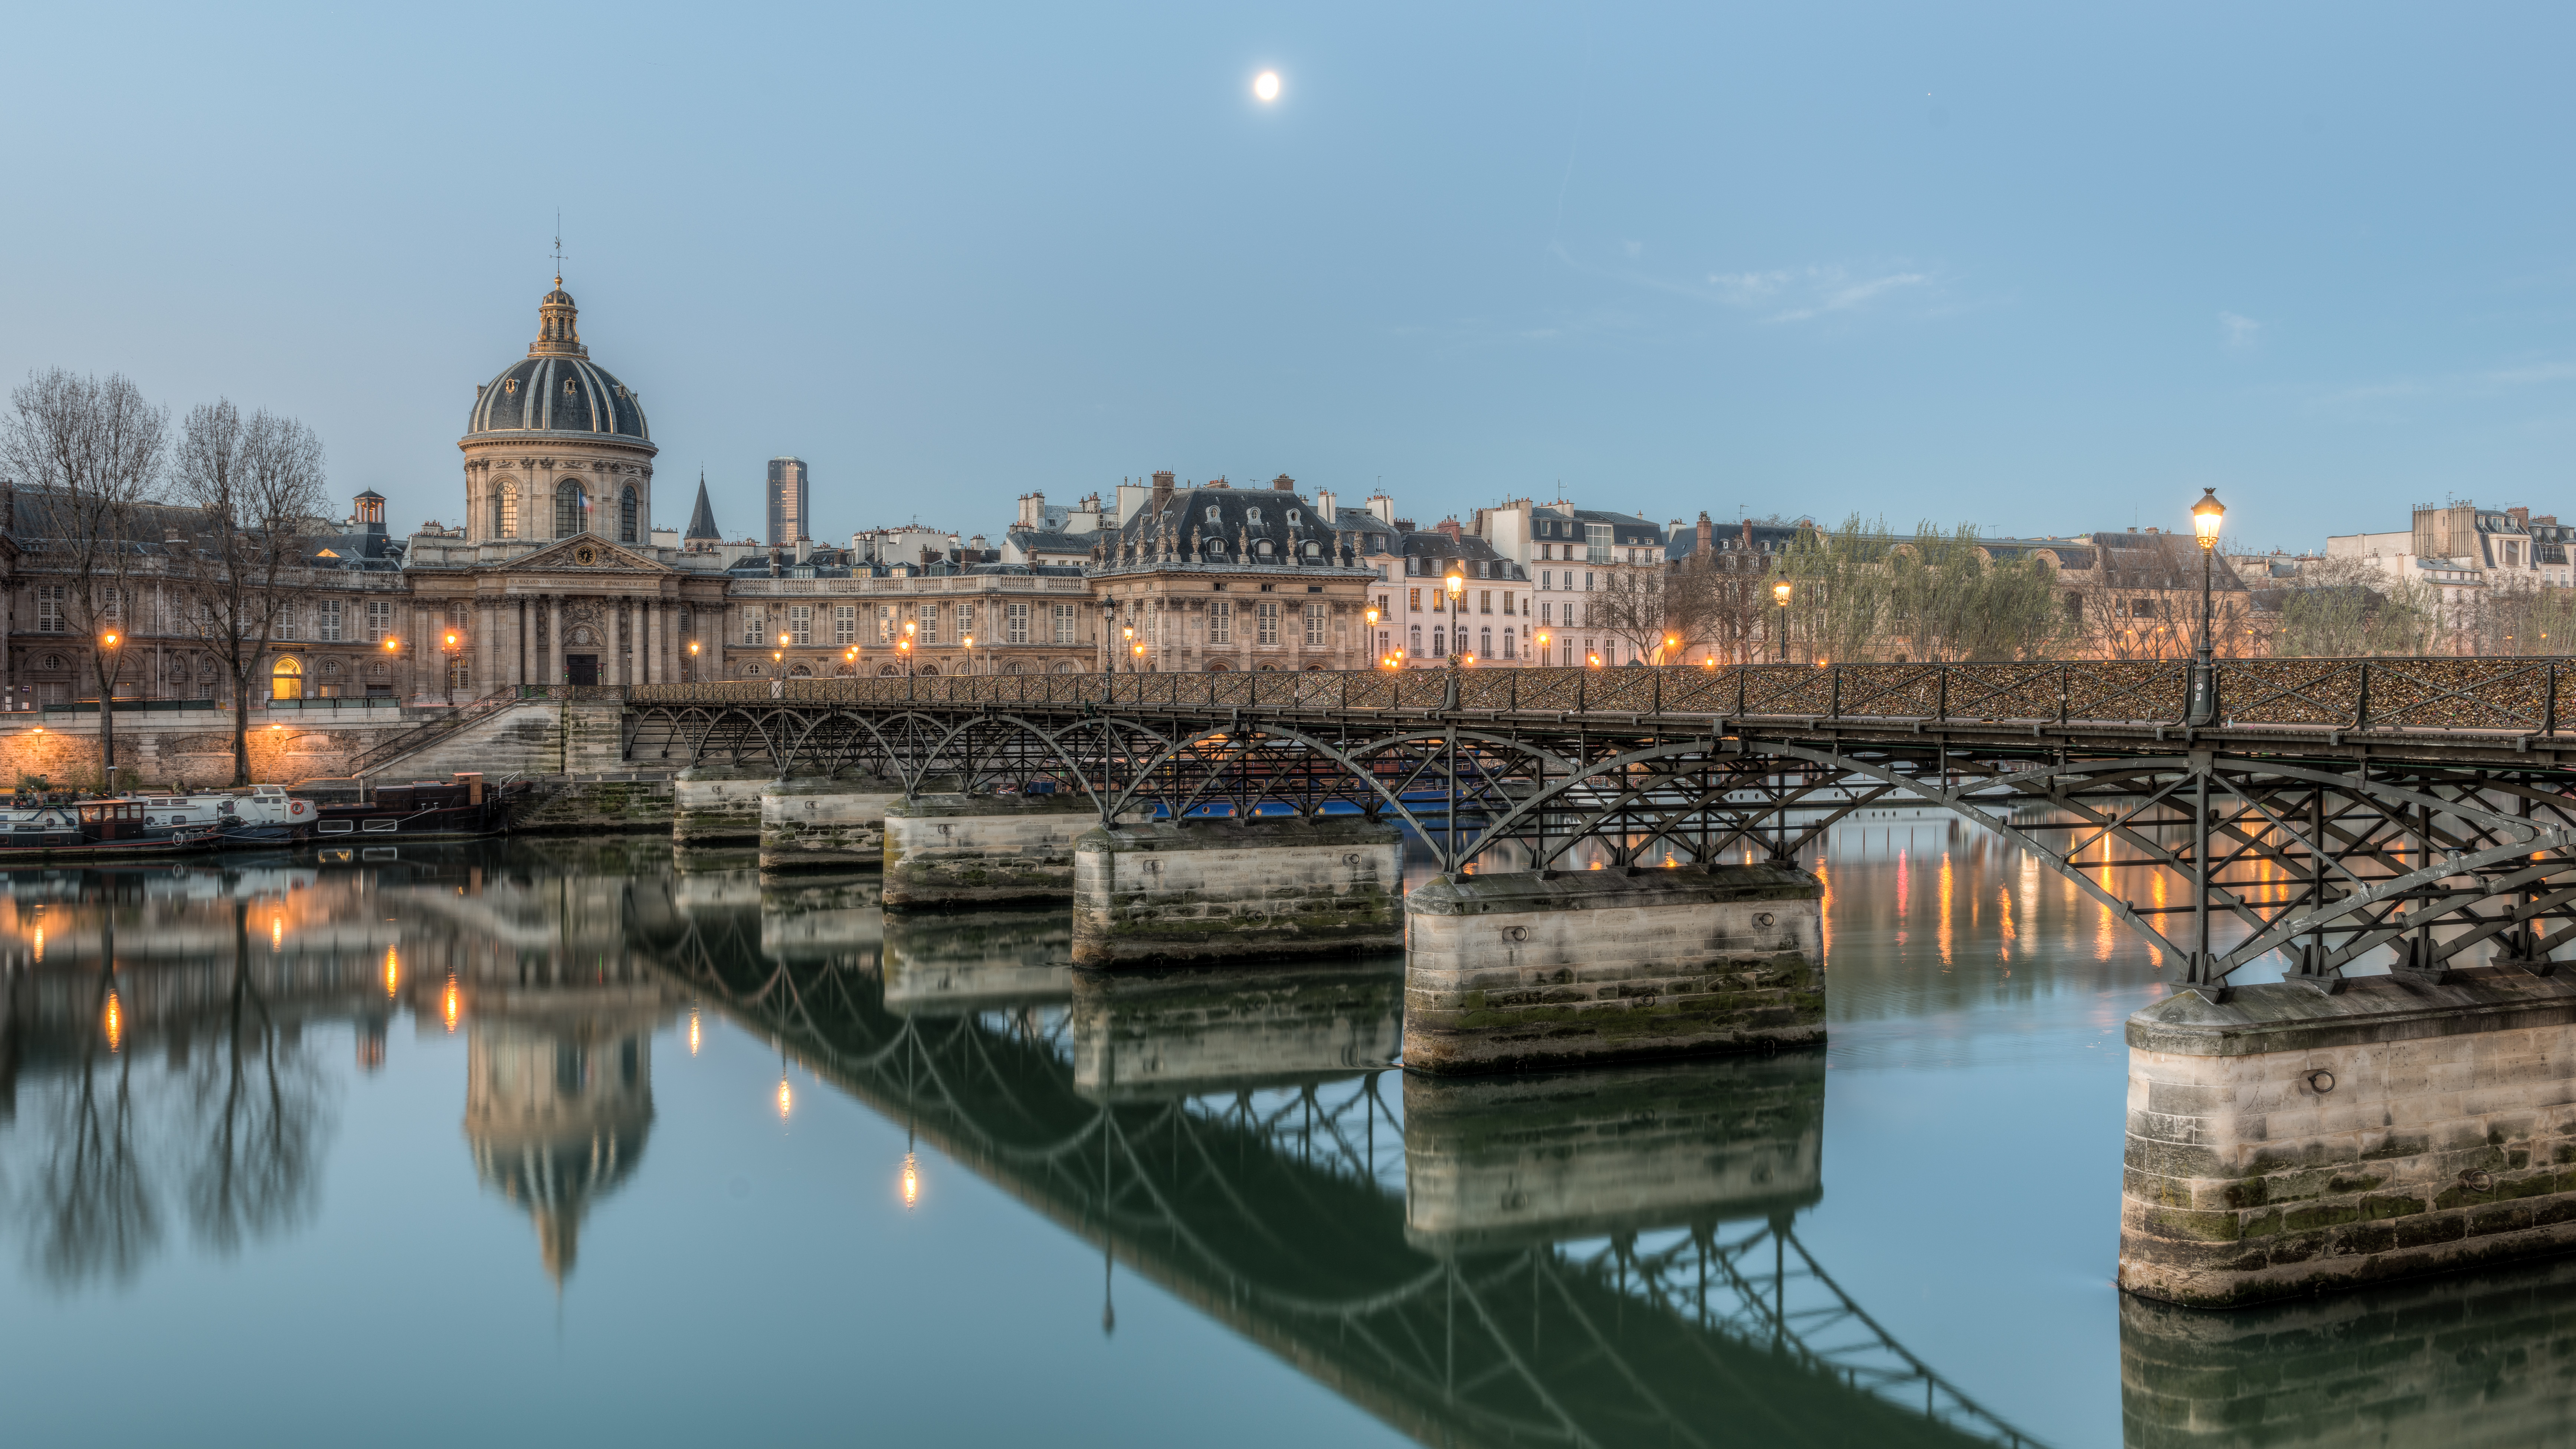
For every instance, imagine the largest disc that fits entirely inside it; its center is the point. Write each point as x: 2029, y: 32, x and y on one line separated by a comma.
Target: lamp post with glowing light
x: 448, y: 647
x: 969, y: 641
x: 2205, y: 517
x: 107, y: 656
x: 1374, y: 641
x: 1543, y: 637
x: 1780, y: 651
x: 693, y: 661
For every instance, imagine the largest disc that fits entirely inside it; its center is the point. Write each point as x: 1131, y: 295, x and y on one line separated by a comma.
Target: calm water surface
x: 545, y: 1142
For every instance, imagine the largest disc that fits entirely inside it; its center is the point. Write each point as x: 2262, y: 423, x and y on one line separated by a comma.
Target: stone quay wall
x: 2285, y: 1141
x: 187, y: 755
x: 1230, y: 889
x: 1561, y: 968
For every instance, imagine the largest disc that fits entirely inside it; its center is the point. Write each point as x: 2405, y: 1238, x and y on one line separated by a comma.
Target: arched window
x: 568, y: 508
x: 626, y: 515
x: 286, y: 680
x: 505, y: 509
x: 1485, y: 642
x: 1417, y: 641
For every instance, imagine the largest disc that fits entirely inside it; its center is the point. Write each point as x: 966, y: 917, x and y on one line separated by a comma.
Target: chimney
x: 2521, y: 518
x: 1283, y: 484
x: 1032, y: 510
x: 1403, y: 525
x: 1162, y: 490
x: 773, y: 563
x: 804, y: 550
x: 1324, y: 504
x: 1705, y: 545
x: 1383, y: 507
x: 1449, y: 526
x: 1131, y: 496
x: 976, y: 543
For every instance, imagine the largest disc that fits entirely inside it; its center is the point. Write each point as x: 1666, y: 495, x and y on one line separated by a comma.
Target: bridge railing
x: 2513, y: 695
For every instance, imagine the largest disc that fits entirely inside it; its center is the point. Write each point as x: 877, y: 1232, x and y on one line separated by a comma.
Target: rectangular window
x: 1596, y: 544
x: 755, y: 629
x: 1314, y: 626
x: 1382, y: 610
x: 1484, y: 601
x: 845, y: 624
x: 885, y: 623
x: 1413, y: 600
x: 1507, y: 608
x: 966, y: 622
x: 800, y: 625
x: 1221, y: 622
x: 1015, y: 623
x: 1545, y: 609
x: 1064, y: 623
x: 49, y: 608
x: 930, y: 623
x: 1266, y: 614
x: 285, y: 622
x: 108, y: 605
x: 1587, y: 581
x: 326, y: 621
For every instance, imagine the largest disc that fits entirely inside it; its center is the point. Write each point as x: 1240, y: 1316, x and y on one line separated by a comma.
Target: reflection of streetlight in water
x: 786, y: 1099
x: 911, y: 1181
x: 448, y: 1004
x: 115, y: 1022
x: 393, y: 973
x: 693, y: 1031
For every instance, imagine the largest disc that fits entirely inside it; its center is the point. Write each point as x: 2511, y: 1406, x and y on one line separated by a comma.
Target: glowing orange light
x: 393, y: 973
x: 911, y: 1180
x: 449, y: 1007
x: 115, y: 1022
x: 786, y: 1099
x: 40, y: 945
x: 693, y: 1031
x: 276, y: 933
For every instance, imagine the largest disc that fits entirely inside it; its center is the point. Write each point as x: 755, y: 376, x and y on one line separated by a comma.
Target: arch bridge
x: 2324, y: 812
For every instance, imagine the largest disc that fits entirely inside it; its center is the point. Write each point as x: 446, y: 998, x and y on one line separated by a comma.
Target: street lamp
x: 1672, y: 642
x: 1128, y: 634
x: 2205, y: 517
x: 107, y: 708
x: 693, y: 661
x: 1780, y: 650
x: 449, y: 649
x: 1543, y: 637
x: 970, y: 653
x: 903, y: 651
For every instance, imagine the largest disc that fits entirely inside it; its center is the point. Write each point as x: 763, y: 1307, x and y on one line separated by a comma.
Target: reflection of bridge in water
x: 1598, y: 1259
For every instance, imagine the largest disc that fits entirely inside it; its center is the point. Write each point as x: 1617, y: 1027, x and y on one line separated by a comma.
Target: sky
x: 2039, y: 268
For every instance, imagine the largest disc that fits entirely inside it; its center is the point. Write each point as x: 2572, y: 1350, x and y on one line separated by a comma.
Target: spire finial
x: 558, y: 246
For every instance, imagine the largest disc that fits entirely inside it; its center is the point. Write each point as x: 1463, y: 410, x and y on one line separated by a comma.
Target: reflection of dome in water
x: 557, y: 1112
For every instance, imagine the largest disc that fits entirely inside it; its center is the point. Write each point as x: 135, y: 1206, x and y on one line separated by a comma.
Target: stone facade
x: 2286, y: 1141
x: 1563, y: 968
x: 1219, y: 578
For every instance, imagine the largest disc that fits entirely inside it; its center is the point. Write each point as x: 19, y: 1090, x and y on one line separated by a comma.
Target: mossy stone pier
x: 816, y: 823
x: 1554, y: 969
x: 716, y: 805
x: 963, y: 850
x: 1236, y: 889
x: 2285, y: 1140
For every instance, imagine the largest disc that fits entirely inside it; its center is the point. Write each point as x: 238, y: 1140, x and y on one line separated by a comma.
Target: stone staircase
x: 525, y: 738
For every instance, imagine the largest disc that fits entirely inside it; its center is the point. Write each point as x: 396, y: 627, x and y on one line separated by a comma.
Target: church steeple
x: 556, y: 334
x: 702, y: 519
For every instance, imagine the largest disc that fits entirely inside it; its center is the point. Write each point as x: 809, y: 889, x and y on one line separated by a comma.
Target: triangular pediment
x: 585, y: 553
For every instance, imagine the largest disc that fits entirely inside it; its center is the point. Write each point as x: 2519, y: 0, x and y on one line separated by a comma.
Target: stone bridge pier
x: 1547, y: 969
x: 957, y: 849
x: 717, y: 805
x: 815, y: 822
x: 1235, y: 888
x: 1198, y: 1029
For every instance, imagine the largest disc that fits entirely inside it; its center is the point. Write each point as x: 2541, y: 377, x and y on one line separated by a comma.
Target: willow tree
x: 1863, y: 592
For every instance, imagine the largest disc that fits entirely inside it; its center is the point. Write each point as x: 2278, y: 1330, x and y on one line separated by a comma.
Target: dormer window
x: 569, y: 389
x: 1292, y: 518
x: 1252, y: 515
x: 1212, y: 513
x: 509, y: 384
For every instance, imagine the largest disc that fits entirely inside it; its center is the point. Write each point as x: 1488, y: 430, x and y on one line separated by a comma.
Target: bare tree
x: 92, y: 449
x: 1715, y: 601
x: 1629, y: 606
x: 250, y: 487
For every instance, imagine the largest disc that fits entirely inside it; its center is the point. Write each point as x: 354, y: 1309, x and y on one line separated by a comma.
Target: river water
x: 541, y: 1142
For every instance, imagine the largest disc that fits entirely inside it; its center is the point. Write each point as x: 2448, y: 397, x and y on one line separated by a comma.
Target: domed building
x: 556, y: 445
x: 557, y: 576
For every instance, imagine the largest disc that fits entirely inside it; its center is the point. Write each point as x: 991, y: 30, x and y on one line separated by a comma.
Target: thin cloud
x: 2238, y: 332
x: 1810, y: 292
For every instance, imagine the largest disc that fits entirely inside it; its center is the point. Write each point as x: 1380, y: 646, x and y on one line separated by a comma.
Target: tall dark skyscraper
x: 788, y: 520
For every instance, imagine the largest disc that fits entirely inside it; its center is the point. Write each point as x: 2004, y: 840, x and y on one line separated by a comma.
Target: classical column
x: 647, y: 614
x: 554, y: 639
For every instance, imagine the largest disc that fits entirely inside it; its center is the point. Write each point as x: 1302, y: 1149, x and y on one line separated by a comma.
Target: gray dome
x: 557, y: 388
x: 557, y: 394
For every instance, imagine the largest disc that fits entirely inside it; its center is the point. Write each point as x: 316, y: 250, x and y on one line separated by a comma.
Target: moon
x: 1266, y: 85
